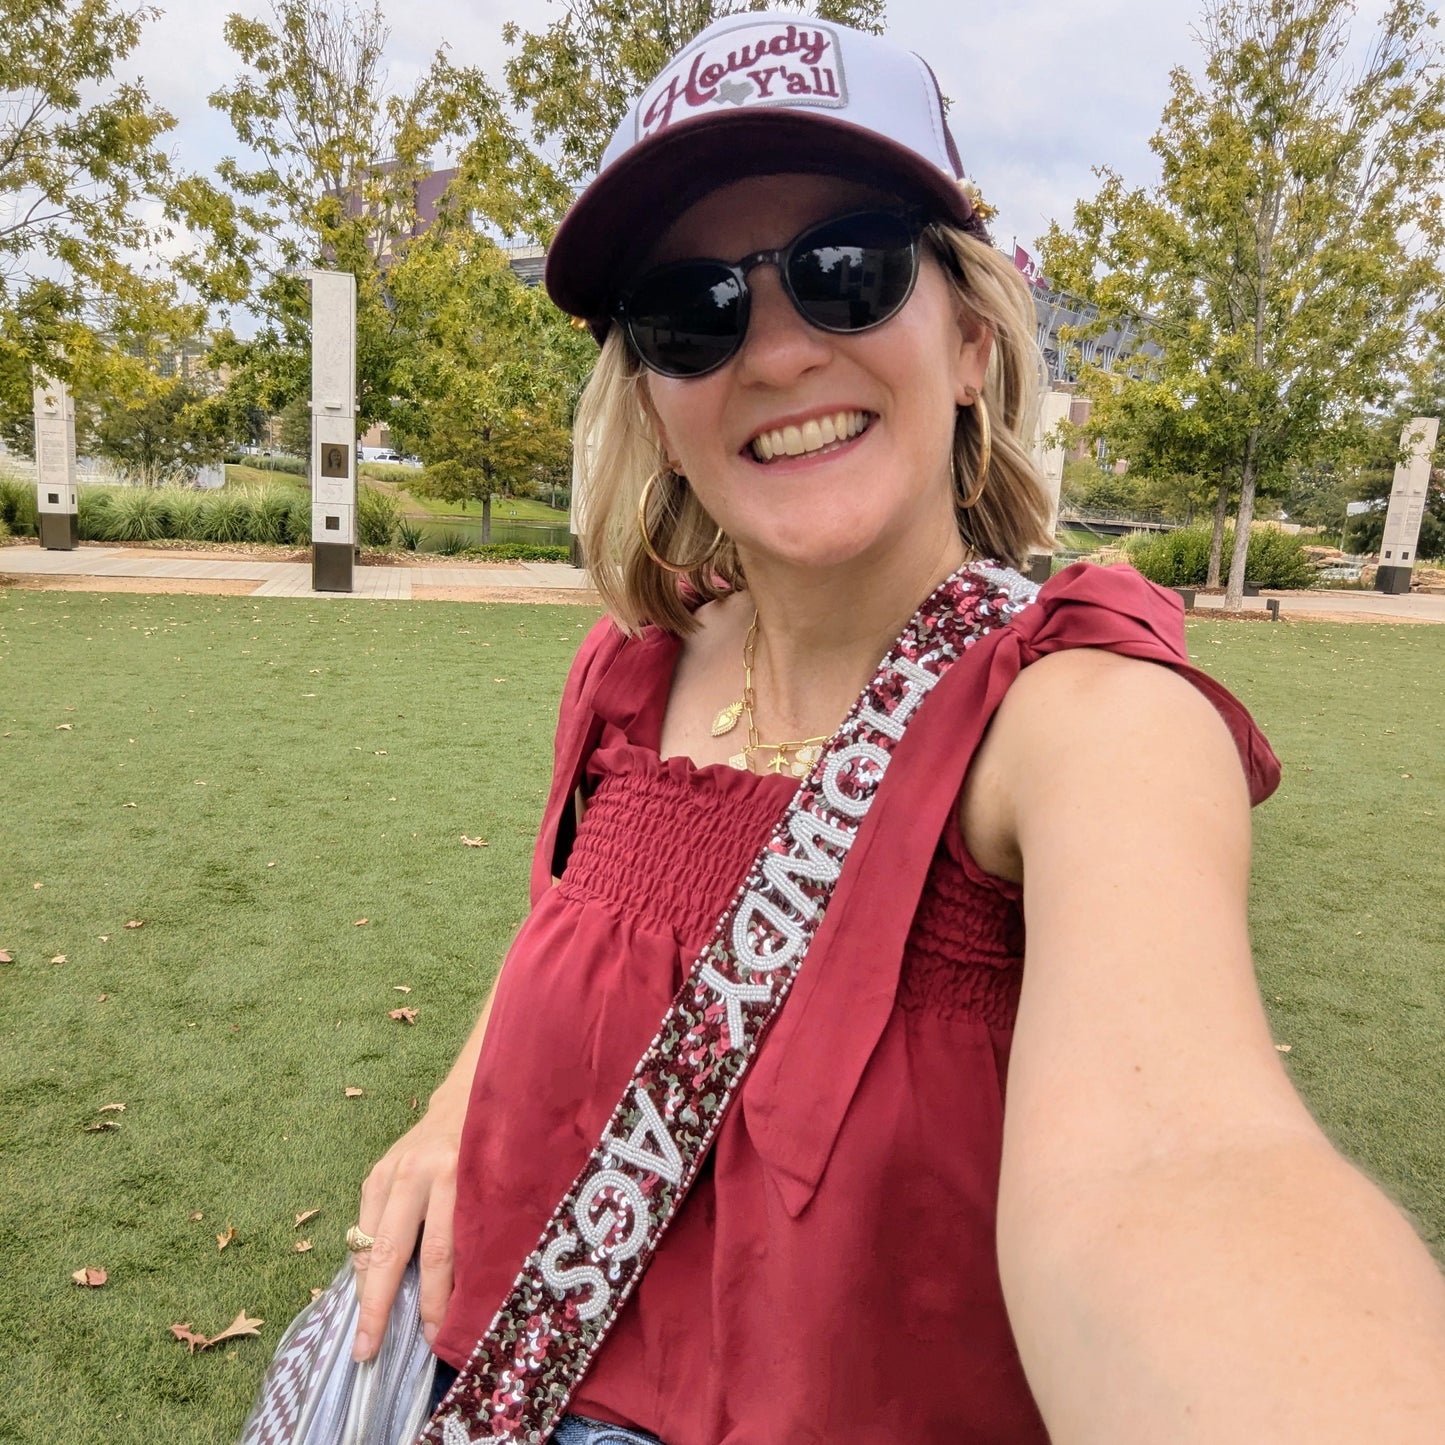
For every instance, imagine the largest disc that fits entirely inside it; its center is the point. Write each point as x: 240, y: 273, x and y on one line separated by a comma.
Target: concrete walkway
x: 397, y: 584
x: 286, y: 579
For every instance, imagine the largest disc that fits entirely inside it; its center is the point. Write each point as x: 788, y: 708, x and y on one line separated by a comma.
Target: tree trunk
x: 486, y: 518
x: 1234, y: 591
x: 1216, y: 543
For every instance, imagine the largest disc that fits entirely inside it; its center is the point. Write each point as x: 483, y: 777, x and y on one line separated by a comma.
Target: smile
x: 814, y: 435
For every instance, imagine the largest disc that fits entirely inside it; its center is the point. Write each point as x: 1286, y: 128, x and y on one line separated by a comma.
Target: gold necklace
x: 805, y: 751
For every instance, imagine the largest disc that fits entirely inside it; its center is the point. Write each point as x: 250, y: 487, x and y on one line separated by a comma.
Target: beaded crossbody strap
x: 601, y: 1237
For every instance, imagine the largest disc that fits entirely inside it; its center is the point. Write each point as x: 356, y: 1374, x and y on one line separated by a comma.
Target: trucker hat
x: 755, y: 94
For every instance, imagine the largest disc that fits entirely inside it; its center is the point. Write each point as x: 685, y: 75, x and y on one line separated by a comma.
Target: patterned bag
x: 313, y: 1392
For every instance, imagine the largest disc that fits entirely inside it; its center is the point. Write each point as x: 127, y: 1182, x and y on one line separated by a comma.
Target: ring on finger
x: 358, y: 1241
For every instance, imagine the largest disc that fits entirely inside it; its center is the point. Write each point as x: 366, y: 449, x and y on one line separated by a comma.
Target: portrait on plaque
x: 334, y: 460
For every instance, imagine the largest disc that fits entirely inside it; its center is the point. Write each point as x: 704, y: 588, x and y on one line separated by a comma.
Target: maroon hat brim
x: 611, y: 225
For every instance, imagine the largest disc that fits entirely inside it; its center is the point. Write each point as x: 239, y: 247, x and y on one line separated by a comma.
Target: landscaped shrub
x: 452, y: 544
x: 225, y: 517
x: 519, y: 552
x: 1181, y: 558
x: 136, y: 514
x: 376, y: 517
x: 94, y: 504
x: 292, y: 466
x: 270, y: 513
x: 298, y: 519
x: 17, y: 505
x: 183, y: 514
x: 408, y: 534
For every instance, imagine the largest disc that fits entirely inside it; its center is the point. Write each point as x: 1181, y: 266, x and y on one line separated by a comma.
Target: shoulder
x: 1088, y: 738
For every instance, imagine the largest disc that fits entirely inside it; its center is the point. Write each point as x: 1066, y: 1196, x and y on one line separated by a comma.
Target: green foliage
x: 80, y: 160
x: 377, y: 513
x: 298, y: 520
x: 270, y: 513
x: 93, y: 505
x: 226, y: 517
x: 1181, y: 558
x: 136, y: 514
x: 183, y: 512
x: 452, y: 544
x: 164, y: 432
x: 291, y: 466
x: 408, y: 534
x: 1290, y: 257
x: 17, y: 505
x: 519, y: 552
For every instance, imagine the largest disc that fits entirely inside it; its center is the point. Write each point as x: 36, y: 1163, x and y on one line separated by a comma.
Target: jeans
x: 571, y: 1429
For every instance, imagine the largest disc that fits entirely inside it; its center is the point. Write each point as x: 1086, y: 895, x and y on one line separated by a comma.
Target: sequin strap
x: 600, y: 1239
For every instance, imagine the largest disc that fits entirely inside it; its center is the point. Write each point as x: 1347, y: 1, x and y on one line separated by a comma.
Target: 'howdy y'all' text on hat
x: 755, y: 94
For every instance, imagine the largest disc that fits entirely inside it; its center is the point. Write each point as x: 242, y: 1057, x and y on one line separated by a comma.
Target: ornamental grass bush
x: 1181, y: 558
x: 377, y: 514
x: 270, y: 513
x: 17, y: 506
x: 225, y: 517
x: 136, y: 514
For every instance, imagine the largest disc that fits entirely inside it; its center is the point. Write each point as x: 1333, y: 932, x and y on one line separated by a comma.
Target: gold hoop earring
x: 985, y: 456
x: 677, y: 569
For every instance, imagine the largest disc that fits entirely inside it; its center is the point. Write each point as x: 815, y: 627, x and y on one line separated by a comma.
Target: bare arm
x: 412, y: 1188
x: 1184, y: 1256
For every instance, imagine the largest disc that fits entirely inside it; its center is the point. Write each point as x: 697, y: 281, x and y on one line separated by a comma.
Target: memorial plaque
x: 1407, y: 505
x: 333, y: 429
x: 335, y: 458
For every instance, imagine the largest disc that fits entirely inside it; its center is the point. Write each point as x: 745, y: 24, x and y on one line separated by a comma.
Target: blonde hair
x: 619, y: 451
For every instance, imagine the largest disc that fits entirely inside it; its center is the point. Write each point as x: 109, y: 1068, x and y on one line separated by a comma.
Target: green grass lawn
x: 298, y: 766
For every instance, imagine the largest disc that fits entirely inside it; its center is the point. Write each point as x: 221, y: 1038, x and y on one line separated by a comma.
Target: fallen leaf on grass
x: 302, y: 1246
x: 270, y: 865
x: 474, y: 842
x: 304, y: 1216
x: 413, y: 1103
x: 222, y: 1240
x: 112, y: 1109
x: 101, y: 1126
x: 403, y: 1015
x: 63, y: 728
x: 317, y: 1291
x: 200, y: 782
x: 90, y: 1278
x: 361, y: 923
x: 241, y: 1325
x: 102, y: 998
x: 196, y: 1216
x: 128, y: 805
x: 136, y: 923
x: 401, y: 987
x: 5, y: 956
x: 1284, y: 1048
x: 39, y: 885
x: 105, y: 938
x: 1407, y: 775
x: 59, y: 958
x: 380, y: 753
x: 354, y: 1093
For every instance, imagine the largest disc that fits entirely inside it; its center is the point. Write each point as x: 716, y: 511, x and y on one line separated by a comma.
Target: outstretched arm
x: 413, y: 1188
x: 1184, y: 1256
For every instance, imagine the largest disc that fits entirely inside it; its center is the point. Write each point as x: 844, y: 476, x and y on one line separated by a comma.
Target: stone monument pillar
x: 1407, y: 505
x: 1049, y: 454
x: 57, y: 501
x: 333, y: 430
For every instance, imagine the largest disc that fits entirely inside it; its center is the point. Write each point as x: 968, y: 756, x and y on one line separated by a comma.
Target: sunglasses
x: 844, y: 275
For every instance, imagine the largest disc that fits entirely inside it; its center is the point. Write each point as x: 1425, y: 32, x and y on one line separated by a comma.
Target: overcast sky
x: 1042, y: 90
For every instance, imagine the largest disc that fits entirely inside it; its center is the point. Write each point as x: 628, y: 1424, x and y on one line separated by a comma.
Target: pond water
x: 504, y: 529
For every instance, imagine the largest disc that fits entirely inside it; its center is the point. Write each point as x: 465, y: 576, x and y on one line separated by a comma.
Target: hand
x: 412, y: 1188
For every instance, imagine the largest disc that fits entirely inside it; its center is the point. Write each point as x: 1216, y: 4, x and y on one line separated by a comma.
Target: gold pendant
x: 808, y: 757
x: 727, y: 719
x: 739, y: 761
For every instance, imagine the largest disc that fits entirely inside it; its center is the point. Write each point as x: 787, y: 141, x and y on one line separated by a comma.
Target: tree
x: 1289, y: 259
x: 162, y: 434
x: 494, y: 372
x: 576, y: 78
x: 341, y: 164
x: 80, y: 161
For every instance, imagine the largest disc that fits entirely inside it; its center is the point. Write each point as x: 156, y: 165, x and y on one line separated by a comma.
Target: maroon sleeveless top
x: 833, y: 1274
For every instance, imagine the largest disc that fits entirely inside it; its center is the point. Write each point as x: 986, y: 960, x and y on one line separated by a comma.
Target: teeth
x: 812, y: 436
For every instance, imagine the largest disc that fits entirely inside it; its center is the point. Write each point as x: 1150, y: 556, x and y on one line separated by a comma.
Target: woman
x: 816, y: 433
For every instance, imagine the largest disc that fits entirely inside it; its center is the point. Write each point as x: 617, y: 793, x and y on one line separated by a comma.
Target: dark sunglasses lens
x: 854, y: 272
x: 686, y: 319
